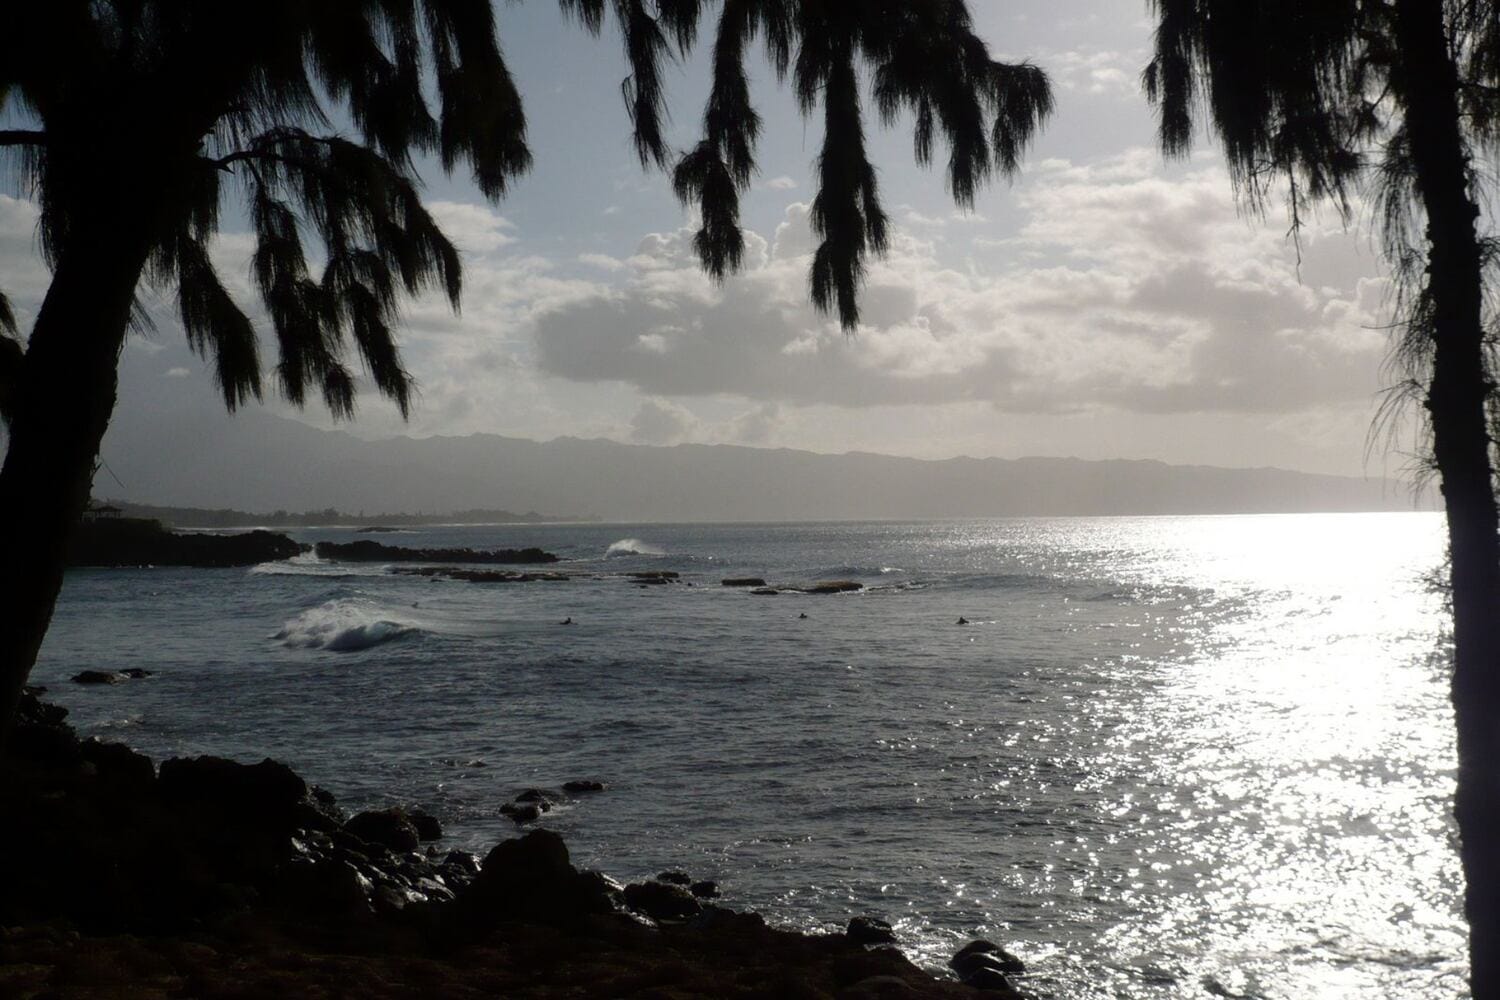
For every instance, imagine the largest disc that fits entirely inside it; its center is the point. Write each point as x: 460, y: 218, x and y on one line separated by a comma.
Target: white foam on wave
x: 632, y: 547
x: 343, y: 626
x: 308, y: 564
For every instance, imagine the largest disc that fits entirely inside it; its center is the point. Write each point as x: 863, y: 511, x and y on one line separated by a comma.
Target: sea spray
x: 632, y: 547
x: 343, y: 625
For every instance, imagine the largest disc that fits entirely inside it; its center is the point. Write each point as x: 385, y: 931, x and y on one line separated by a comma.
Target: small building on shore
x: 101, y: 512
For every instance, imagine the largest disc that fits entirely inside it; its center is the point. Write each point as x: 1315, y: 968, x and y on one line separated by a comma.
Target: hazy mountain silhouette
x: 260, y: 462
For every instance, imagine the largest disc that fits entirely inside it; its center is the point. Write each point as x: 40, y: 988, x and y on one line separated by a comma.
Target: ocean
x: 1166, y: 757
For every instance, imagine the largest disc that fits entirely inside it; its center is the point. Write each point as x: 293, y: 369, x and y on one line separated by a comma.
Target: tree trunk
x: 62, y: 408
x: 1456, y: 402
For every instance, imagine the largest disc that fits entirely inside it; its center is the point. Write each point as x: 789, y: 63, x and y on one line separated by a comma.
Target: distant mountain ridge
x: 259, y: 462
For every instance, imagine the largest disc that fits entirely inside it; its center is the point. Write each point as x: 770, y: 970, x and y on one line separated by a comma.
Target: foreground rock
x: 365, y: 550
x: 136, y: 542
x: 216, y: 879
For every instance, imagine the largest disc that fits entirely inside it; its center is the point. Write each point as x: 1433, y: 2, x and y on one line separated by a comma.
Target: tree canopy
x: 200, y: 102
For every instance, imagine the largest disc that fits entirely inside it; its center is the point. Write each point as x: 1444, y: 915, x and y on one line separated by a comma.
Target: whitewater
x: 1166, y: 757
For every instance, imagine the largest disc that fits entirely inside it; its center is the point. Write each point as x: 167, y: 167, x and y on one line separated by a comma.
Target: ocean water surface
x: 1167, y: 757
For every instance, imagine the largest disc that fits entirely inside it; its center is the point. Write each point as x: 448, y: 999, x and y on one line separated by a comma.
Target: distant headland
x: 328, y: 517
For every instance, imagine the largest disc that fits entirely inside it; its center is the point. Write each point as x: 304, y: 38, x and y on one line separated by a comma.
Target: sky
x: 1106, y: 304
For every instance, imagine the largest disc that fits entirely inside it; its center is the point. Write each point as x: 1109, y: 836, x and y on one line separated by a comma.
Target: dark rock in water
x: 533, y: 878
x: 435, y: 573
x: 265, y: 795
x: 1001, y: 959
x: 365, y: 550
x: 535, y: 795
x: 765, y: 591
x: 119, y: 765
x: 993, y: 982
x: 661, y: 901
x: 427, y: 825
x: 743, y: 581
x: 99, y: 677
x: 110, y: 676
x: 870, y: 930
x: 522, y: 812
x: 128, y: 541
x: 390, y: 828
x: 375, y: 529
x: 654, y: 576
x: 462, y: 861
x: 675, y: 878
x: 583, y: 786
x: 705, y: 889
x: 833, y: 587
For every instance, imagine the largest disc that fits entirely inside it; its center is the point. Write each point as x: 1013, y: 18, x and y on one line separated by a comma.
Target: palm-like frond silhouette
x: 1404, y: 94
x: 215, y: 96
x: 148, y: 115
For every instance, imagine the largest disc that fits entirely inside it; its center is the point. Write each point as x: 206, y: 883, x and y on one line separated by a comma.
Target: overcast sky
x: 1105, y: 305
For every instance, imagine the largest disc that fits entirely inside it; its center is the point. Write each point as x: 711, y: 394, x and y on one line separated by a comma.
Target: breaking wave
x: 344, y: 625
x: 632, y: 547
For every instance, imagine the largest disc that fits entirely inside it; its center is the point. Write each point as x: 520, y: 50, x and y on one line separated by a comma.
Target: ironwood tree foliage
x: 1398, y: 100
x: 139, y: 119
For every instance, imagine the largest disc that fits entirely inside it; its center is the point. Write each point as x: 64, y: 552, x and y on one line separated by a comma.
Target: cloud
x: 782, y: 183
x: 178, y: 372
x: 1096, y: 71
x: 474, y: 229
x: 1123, y: 289
x: 660, y: 421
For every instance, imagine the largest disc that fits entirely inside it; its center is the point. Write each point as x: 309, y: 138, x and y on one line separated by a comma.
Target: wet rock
x: 870, y: 930
x: 267, y: 795
x: 654, y: 576
x: 998, y: 957
x: 583, y: 786
x: 100, y: 677
x: 765, y: 592
x: 522, y: 812
x: 661, y: 900
x: 530, y: 877
x: 992, y: 982
x: 675, y: 878
x: 705, y: 889
x: 743, y: 581
x: 119, y: 765
x: 136, y: 673
x: 390, y: 828
x: 833, y: 587
x: 427, y: 825
x: 323, y: 800
x: 541, y: 798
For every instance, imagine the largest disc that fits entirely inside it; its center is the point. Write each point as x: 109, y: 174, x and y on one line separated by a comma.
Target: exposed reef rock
x: 365, y: 550
x: 134, y: 542
x: 480, y: 575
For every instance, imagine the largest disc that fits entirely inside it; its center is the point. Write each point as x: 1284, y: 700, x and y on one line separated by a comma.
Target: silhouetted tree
x: 1324, y: 95
x: 146, y: 114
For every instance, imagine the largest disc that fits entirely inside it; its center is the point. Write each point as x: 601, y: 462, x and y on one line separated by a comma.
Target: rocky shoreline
x: 210, y: 878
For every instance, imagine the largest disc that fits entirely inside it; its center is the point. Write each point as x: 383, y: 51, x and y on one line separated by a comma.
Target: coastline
x: 209, y: 878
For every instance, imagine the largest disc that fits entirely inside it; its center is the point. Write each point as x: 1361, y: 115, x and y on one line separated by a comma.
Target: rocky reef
x: 126, y: 541
x: 211, y: 878
x: 365, y: 550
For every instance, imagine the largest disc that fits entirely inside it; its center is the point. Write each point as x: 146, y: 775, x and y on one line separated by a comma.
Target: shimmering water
x: 1169, y: 757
